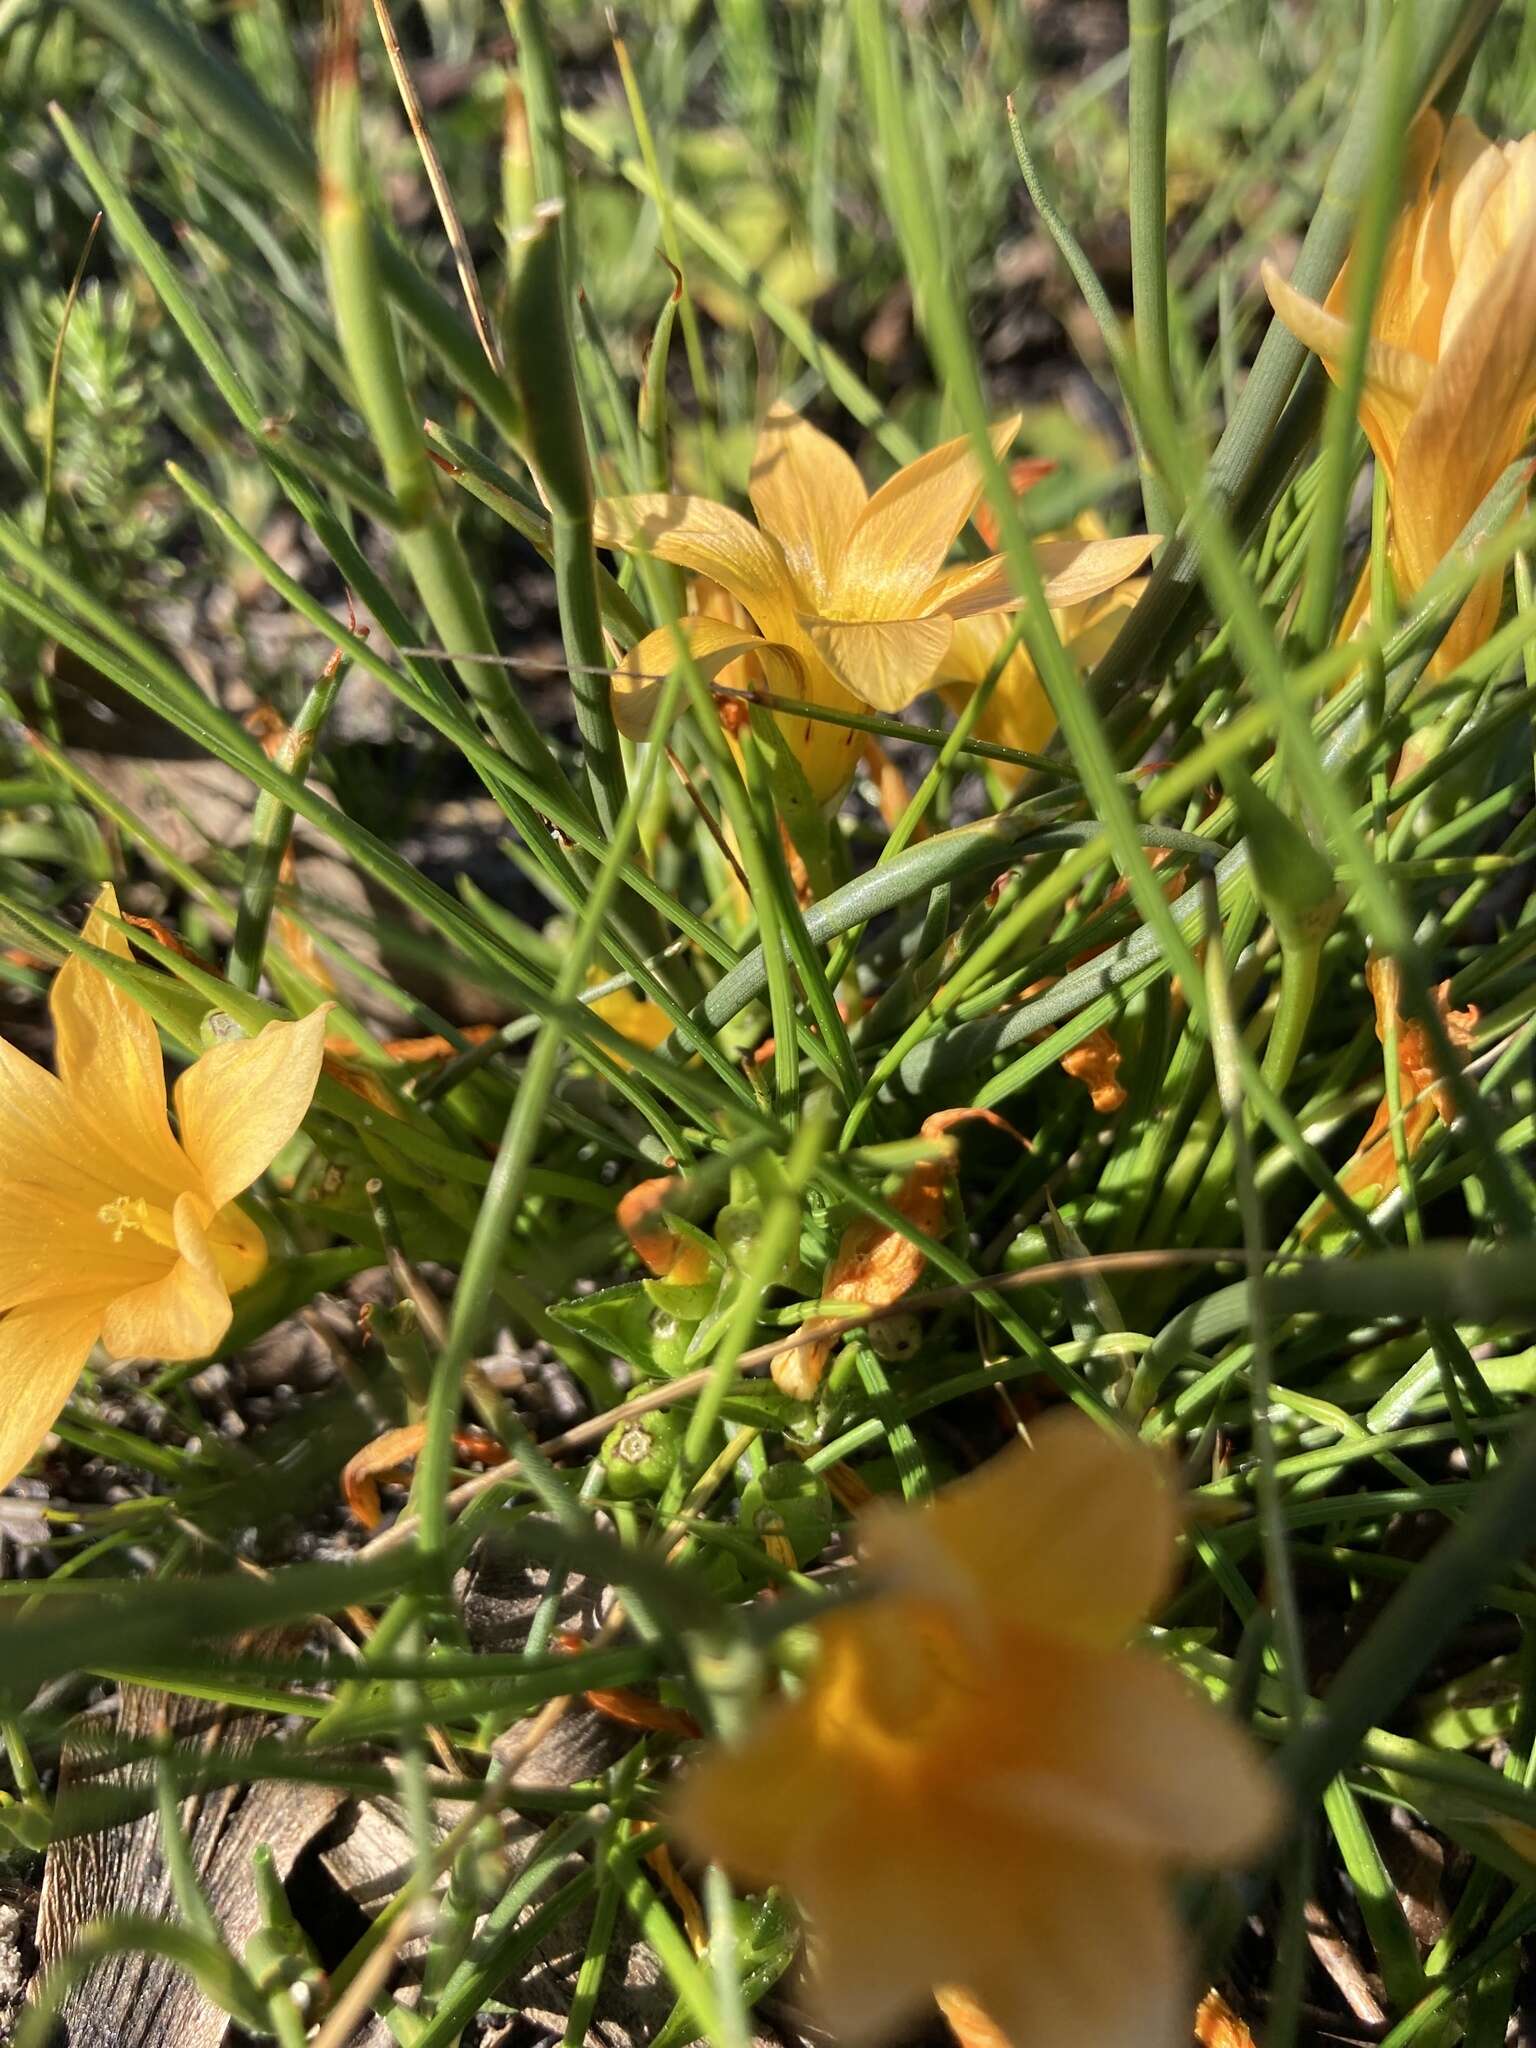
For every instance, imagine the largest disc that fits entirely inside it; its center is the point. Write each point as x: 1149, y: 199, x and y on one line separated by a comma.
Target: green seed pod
x: 670, y: 1336
x: 714, y: 1567
x: 685, y: 1304
x: 791, y: 1504
x: 639, y: 1456
x: 737, y: 1229
x: 1041, y: 1306
x: 1292, y: 875
x: 896, y: 1338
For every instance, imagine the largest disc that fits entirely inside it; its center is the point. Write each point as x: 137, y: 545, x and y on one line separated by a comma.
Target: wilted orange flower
x: 981, y: 1787
x: 112, y: 1226
x: 668, y: 1253
x: 1218, y: 2026
x: 387, y: 1457
x: 1096, y: 1063
x: 847, y: 592
x: 1450, y: 377
x: 1422, y: 1093
x: 875, y: 1265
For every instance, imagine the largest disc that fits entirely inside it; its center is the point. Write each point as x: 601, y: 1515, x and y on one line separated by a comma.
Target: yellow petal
x: 971, y: 2027
x: 883, y: 664
x: 719, y: 1810
x: 239, y: 1247
x: 828, y: 754
x: 42, y: 1132
x: 57, y: 1247
x: 973, y: 651
x: 42, y: 1353
x: 1074, y: 571
x: 1124, y: 1753
x: 1395, y: 380
x: 714, y: 644
x: 807, y: 494
x: 1018, y: 713
x: 710, y: 540
x: 183, y: 1314
x: 1491, y: 203
x: 1475, y: 414
x: 107, y: 1054
x: 898, y: 544
x: 1072, y: 1537
x: 1098, y: 1959
x: 634, y: 1017
x: 1024, y: 1922
x: 1401, y: 318
x: 971, y: 590
x: 242, y: 1102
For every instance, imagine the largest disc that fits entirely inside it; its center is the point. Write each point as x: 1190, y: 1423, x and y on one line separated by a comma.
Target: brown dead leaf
x: 342, y: 1065
x: 413, y: 1052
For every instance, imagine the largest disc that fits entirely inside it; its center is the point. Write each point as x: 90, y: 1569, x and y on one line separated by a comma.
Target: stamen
x: 128, y: 1212
x: 132, y: 1212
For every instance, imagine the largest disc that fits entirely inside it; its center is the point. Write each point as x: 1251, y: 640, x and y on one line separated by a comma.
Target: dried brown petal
x: 1096, y: 1064
x: 388, y: 1455
x: 874, y: 1265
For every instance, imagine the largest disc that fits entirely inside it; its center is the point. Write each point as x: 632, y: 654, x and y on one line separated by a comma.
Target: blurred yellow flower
x: 981, y: 1788
x: 1450, y: 376
x: 847, y: 593
x: 631, y: 1014
x: 112, y: 1228
x: 1018, y: 713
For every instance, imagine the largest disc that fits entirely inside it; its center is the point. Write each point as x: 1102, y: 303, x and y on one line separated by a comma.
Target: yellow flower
x: 847, y: 593
x: 981, y: 1788
x: 111, y: 1227
x: 1450, y: 376
x: 1018, y: 713
x: 631, y: 1014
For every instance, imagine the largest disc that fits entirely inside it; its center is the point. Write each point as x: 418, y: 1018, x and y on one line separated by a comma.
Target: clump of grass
x: 309, y: 382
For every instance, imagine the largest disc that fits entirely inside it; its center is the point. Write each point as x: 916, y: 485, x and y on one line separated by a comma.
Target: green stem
x: 540, y: 362
x: 1149, y: 233
x: 271, y: 829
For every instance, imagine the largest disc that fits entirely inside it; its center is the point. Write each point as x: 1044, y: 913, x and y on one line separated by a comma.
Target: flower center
x: 132, y: 1212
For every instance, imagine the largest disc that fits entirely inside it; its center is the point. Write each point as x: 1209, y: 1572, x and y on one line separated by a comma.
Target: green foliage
x: 276, y: 425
